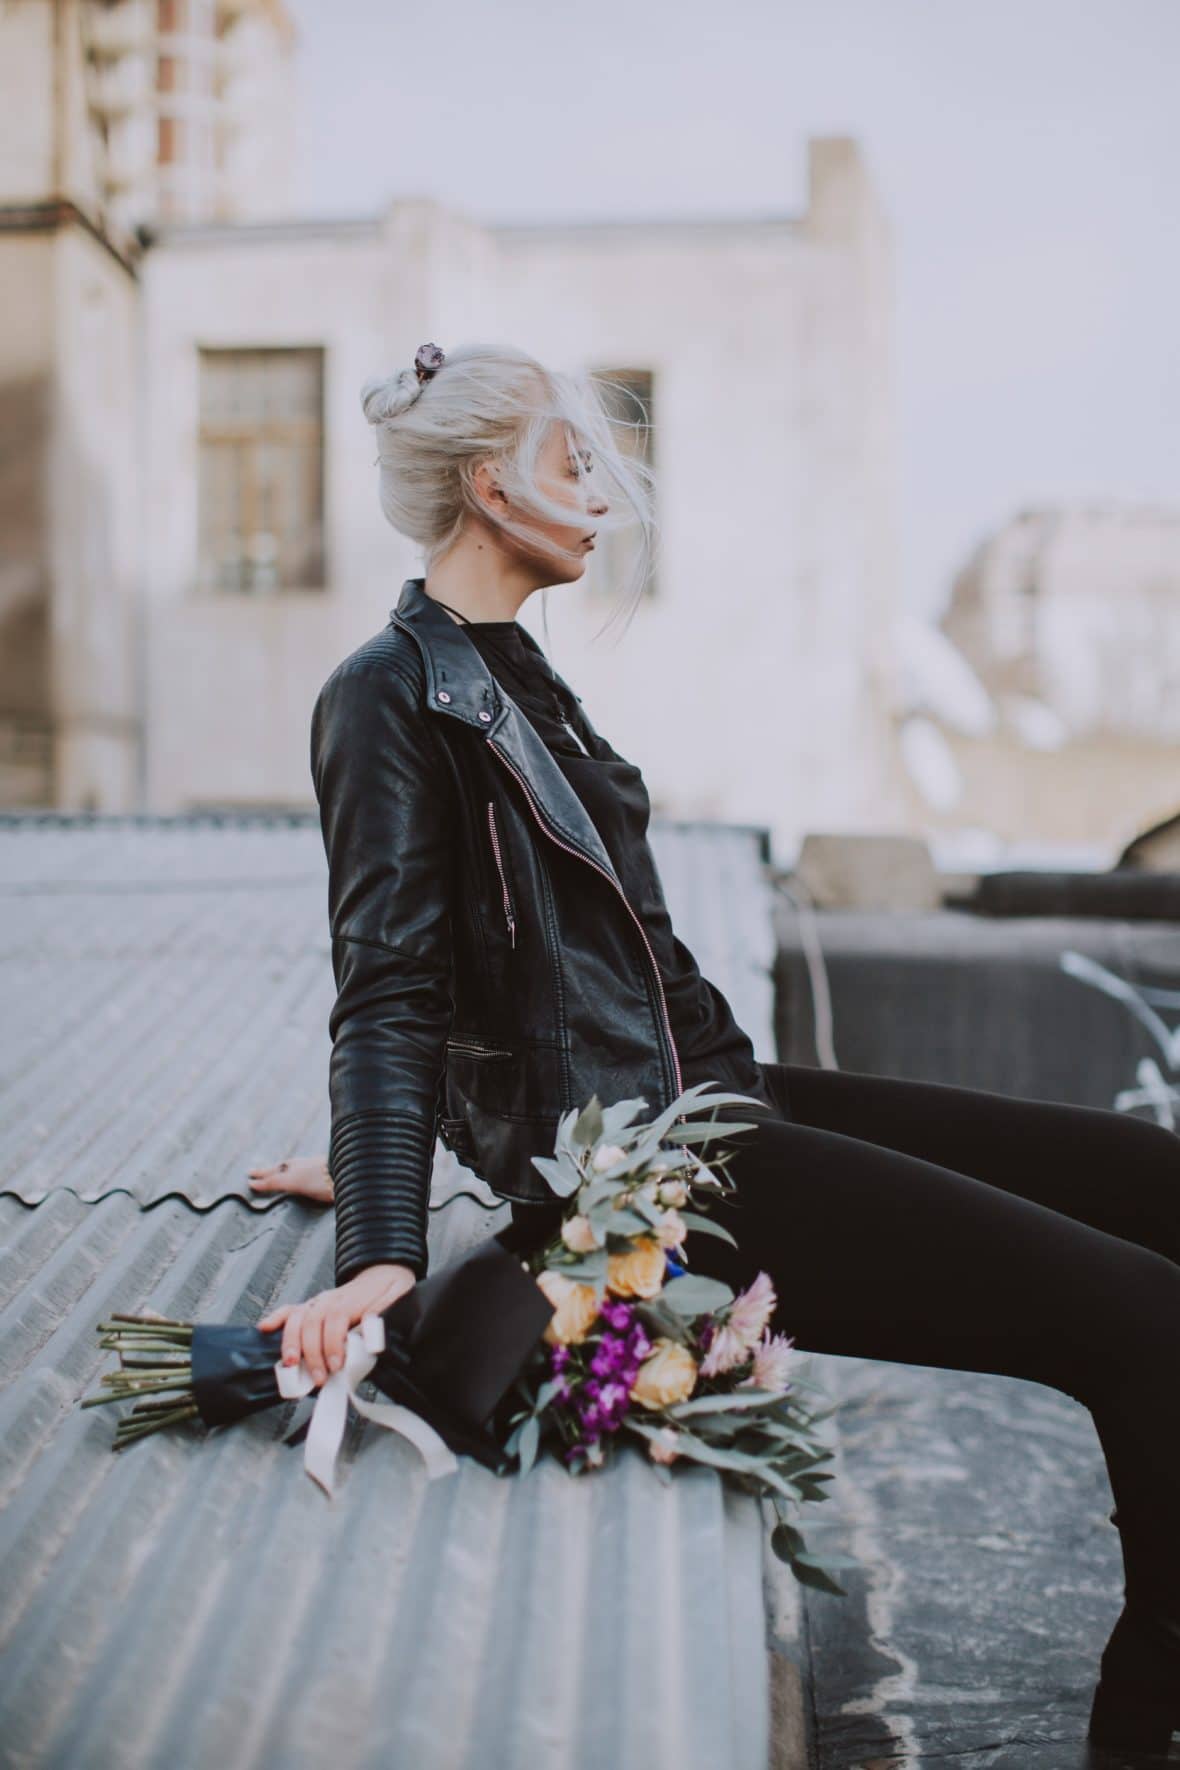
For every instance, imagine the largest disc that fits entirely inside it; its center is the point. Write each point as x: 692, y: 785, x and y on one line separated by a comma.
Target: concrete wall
x: 26, y: 271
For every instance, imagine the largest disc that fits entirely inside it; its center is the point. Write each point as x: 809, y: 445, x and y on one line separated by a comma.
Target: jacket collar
x: 459, y: 683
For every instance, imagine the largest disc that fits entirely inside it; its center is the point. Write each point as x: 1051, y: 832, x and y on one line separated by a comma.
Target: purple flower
x: 614, y: 1397
x: 559, y: 1357
x: 618, y: 1315
x: 606, y: 1360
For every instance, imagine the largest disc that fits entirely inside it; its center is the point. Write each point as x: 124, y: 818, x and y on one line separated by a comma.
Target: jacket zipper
x: 477, y: 1048
x: 575, y: 737
x: 509, y: 917
x: 589, y: 859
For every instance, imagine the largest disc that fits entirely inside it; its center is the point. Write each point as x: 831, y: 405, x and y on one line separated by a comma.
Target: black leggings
x: 955, y: 1227
x: 928, y: 1224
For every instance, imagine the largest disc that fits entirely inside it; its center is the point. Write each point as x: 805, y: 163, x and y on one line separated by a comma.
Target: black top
x: 613, y: 793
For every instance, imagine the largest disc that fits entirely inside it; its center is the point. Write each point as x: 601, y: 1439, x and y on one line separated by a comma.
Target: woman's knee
x: 1145, y: 1158
x: 1134, y: 1319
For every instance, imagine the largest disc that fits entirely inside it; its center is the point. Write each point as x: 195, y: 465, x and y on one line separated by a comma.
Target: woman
x: 502, y: 950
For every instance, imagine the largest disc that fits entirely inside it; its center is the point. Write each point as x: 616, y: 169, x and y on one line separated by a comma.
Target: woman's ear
x: 487, y: 484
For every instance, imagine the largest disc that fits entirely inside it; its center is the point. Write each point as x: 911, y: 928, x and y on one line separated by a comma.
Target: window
x: 628, y: 395
x: 261, y: 476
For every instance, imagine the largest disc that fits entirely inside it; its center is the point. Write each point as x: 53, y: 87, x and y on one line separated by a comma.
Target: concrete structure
x: 1067, y: 623
x: 110, y: 115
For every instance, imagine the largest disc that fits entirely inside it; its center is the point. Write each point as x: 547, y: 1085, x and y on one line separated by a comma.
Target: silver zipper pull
x: 575, y: 737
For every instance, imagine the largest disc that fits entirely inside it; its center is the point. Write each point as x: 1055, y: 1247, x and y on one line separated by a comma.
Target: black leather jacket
x: 490, y: 972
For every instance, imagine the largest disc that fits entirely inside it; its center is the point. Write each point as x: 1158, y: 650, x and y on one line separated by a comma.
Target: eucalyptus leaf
x: 713, y: 1132
x: 530, y: 1439
x: 662, y: 1321
x: 588, y: 1128
x: 562, y: 1176
x: 546, y: 1393
x: 626, y: 1223
x: 831, y: 1560
x: 617, y: 1117
x: 651, y: 1213
x: 706, y: 1226
x: 695, y: 1294
x: 718, y: 1458
x: 810, y: 1572
x: 597, y: 1192
x: 722, y: 1403
x: 587, y: 1267
x: 786, y: 1541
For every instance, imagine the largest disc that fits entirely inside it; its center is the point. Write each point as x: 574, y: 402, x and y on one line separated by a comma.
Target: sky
x: 1027, y: 156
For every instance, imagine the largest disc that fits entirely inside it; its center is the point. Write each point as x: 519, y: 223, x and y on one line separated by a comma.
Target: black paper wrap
x: 233, y: 1371
x: 454, y: 1345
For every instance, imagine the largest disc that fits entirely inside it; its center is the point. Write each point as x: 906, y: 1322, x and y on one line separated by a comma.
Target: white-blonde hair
x: 490, y: 401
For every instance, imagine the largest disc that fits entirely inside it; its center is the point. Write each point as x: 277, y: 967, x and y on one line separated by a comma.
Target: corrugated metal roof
x: 195, y: 1599
x: 168, y: 985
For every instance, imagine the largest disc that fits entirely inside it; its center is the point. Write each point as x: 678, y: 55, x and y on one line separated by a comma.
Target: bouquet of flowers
x: 599, y: 1333
x: 640, y: 1345
x: 445, y: 1353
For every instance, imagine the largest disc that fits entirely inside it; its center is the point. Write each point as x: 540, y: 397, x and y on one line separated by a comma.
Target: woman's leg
x: 880, y: 1253
x: 1102, y: 1167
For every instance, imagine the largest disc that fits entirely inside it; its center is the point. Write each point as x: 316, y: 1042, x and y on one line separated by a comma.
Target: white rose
x: 672, y: 1230
x: 578, y: 1235
x: 673, y: 1192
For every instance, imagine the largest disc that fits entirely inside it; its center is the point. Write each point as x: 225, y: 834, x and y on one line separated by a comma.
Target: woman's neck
x: 480, y: 581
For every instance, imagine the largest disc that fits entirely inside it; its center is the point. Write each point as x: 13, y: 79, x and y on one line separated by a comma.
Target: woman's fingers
x: 322, y: 1335
x: 276, y: 1318
x: 336, y: 1326
x: 316, y: 1331
x: 293, y: 1334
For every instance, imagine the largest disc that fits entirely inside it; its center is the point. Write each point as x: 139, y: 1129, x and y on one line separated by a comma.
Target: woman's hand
x: 305, y: 1175
x: 316, y: 1330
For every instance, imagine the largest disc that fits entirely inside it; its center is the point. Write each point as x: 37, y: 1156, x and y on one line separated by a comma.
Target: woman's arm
x: 389, y: 823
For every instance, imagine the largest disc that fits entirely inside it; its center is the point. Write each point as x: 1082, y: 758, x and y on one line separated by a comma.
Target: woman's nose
x: 598, y: 504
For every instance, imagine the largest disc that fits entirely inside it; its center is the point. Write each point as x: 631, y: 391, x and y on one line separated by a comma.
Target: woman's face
x: 566, y: 476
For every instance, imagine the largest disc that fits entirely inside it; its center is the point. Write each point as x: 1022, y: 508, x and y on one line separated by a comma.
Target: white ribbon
x: 326, y: 1428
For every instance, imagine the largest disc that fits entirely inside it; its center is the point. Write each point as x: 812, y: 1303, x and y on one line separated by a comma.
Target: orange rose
x: 575, y: 1305
x: 639, y: 1272
x: 667, y: 1375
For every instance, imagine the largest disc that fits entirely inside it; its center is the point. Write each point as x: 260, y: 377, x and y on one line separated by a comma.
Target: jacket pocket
x: 456, y: 1135
x: 505, y: 889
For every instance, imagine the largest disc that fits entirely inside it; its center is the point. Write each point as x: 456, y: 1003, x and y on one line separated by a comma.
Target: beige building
x: 195, y: 539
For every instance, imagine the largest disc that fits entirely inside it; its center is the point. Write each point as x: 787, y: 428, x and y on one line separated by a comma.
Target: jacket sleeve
x: 388, y: 816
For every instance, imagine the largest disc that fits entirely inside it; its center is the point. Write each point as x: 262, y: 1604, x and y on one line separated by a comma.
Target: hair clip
x: 428, y: 361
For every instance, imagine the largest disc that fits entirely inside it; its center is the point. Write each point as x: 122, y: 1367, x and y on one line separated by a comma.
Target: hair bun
x: 388, y: 396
